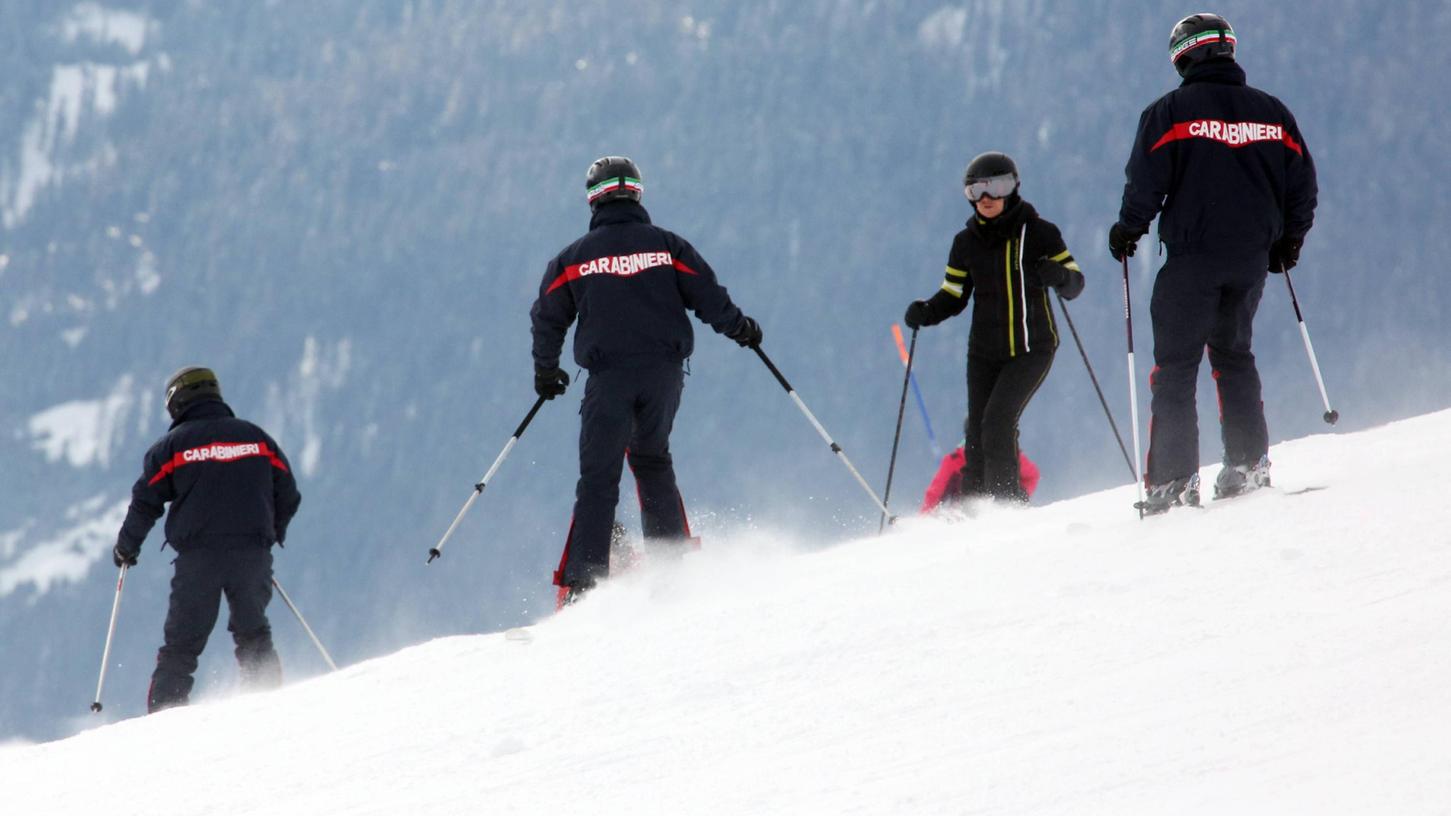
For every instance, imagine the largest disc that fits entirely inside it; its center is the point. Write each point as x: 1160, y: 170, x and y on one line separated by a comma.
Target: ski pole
x: 305, y: 627
x: 897, y: 436
x: 437, y: 549
x: 1330, y: 415
x: 110, y: 632
x: 916, y: 392
x: 835, y: 448
x: 1101, y: 401
x: 1133, y: 389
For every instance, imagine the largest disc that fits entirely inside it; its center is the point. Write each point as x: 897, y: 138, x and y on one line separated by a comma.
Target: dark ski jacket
x: 1011, y: 314
x: 228, y: 483
x: 1224, y: 161
x: 630, y: 284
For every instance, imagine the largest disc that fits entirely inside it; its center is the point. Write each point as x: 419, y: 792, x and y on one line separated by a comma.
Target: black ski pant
x: 203, y: 576
x: 997, y: 393
x: 624, y: 410
x: 1205, y: 300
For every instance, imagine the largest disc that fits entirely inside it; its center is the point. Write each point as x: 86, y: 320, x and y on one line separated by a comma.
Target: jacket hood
x: 205, y: 408
x: 619, y: 212
x: 1220, y: 71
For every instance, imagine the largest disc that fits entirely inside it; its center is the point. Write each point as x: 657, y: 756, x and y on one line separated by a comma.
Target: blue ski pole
x: 916, y: 391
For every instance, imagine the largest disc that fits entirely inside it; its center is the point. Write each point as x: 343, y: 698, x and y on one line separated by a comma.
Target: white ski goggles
x: 995, y: 186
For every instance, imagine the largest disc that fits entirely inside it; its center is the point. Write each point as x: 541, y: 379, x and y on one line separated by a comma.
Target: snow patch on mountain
x: 943, y: 28
x: 64, y: 556
x: 95, y: 22
x: 85, y: 432
x: 78, y: 91
x: 295, y: 407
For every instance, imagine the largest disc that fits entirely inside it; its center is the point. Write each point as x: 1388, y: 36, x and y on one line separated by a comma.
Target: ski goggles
x: 995, y: 186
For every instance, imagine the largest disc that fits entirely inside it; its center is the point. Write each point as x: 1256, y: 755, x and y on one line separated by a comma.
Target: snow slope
x: 1280, y: 653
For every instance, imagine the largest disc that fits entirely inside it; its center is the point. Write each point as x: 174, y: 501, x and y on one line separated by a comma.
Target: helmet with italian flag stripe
x: 611, y: 178
x: 1200, y: 37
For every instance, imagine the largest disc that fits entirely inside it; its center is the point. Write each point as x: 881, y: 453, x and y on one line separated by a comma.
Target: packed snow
x: 1283, y: 652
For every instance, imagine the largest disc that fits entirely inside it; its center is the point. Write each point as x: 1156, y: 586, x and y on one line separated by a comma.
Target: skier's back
x: 1224, y: 167
x: 629, y: 285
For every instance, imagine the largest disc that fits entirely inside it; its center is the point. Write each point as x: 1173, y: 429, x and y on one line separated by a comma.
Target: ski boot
x: 1234, y: 480
x: 623, y: 554
x: 1182, y: 491
x: 571, y: 594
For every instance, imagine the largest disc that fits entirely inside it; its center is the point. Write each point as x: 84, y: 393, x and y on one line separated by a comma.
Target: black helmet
x: 612, y: 178
x: 1200, y: 37
x: 189, y: 385
x: 995, y: 174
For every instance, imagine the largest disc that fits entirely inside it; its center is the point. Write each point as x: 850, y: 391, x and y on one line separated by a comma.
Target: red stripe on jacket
x: 1232, y: 134
x: 221, y: 453
x: 605, y: 265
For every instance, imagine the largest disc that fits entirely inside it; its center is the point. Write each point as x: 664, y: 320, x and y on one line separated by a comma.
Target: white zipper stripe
x: 1023, y: 286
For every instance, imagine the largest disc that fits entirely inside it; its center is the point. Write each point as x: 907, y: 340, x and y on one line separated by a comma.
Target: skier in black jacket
x: 232, y: 495
x: 1224, y: 167
x: 629, y: 284
x: 1006, y: 259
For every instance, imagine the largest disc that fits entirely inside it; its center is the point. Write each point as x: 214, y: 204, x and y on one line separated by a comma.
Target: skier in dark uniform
x: 232, y: 495
x: 629, y: 284
x: 1224, y: 167
x: 1005, y: 260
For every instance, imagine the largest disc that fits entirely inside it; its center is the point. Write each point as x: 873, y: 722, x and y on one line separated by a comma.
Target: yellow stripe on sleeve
x: 1066, y: 258
x: 955, y: 289
x: 955, y: 273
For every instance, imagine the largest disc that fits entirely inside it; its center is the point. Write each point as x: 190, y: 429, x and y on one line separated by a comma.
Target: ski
x: 1298, y: 491
x: 1217, y: 501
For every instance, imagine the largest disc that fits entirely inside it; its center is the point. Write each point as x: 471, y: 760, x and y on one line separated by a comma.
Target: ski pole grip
x: 528, y: 418
x: 775, y: 372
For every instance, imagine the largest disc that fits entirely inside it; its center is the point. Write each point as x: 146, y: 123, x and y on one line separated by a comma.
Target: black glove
x: 1046, y: 273
x: 1122, y: 240
x: 550, y: 382
x: 919, y: 314
x: 748, y: 335
x: 120, y: 556
x: 1285, y: 253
